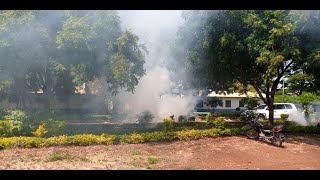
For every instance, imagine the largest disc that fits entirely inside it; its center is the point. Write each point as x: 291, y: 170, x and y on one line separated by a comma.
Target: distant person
x: 172, y: 117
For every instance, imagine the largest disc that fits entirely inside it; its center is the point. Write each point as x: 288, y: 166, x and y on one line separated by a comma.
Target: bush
x: 238, y: 109
x: 6, y: 128
x: 229, y: 114
x: 243, y: 119
x: 219, y: 123
x: 54, y: 127
x: 24, y: 123
x: 196, y: 134
x: 209, y: 120
x: 40, y: 131
x: 168, y: 125
x: 284, y: 116
x: 132, y: 138
x: 182, y: 118
x: 144, y: 118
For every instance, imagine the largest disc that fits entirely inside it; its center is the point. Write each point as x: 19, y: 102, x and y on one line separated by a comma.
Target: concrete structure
x: 230, y: 102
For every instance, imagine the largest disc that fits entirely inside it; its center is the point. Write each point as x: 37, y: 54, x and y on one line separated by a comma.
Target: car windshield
x: 261, y: 106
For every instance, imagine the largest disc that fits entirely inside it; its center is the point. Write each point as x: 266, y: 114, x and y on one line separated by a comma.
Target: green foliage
x: 243, y: 119
x: 168, y: 124
x: 219, y: 123
x: 229, y: 114
x: 284, y: 116
x: 6, y: 128
x: 41, y: 131
x: 301, y: 129
x: 76, y: 47
x: 238, y: 109
x: 89, y: 139
x: 144, y: 118
x: 236, y: 131
x: 136, y: 152
x: 250, y: 102
x: 258, y: 47
x: 54, y: 127
x: 153, y: 160
x: 59, y: 156
x: 209, y: 120
x: 304, y: 99
x: 133, y: 138
x: 182, y: 118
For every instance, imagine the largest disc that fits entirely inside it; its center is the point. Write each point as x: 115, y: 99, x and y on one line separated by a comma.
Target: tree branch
x: 257, y: 88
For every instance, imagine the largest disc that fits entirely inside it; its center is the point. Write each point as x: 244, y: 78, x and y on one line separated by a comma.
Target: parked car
x: 279, y: 108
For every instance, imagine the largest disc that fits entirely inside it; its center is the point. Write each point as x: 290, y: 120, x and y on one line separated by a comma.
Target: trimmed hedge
x: 91, y: 139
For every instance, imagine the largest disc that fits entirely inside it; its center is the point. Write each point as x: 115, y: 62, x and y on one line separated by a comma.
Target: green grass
x: 84, y: 159
x: 59, y: 156
x: 136, y: 152
x: 153, y: 160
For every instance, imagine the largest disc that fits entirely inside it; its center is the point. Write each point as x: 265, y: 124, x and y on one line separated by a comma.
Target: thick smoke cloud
x: 157, y: 30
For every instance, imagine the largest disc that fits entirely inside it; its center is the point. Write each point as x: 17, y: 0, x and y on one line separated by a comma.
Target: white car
x: 279, y: 108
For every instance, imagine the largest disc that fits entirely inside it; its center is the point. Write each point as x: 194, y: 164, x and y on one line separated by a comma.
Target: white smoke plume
x: 157, y: 30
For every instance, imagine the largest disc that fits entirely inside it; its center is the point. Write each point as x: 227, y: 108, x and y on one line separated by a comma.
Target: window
x: 261, y: 106
x: 279, y: 106
x: 228, y: 103
x: 241, y: 104
x: 288, y: 106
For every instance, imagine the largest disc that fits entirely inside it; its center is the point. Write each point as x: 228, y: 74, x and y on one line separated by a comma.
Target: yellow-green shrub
x: 132, y: 138
x: 195, y: 134
x: 168, y: 124
x: 86, y: 139
x: 209, y: 120
x: 6, y: 128
x: 158, y: 136
x: 219, y: 123
x: 40, y: 131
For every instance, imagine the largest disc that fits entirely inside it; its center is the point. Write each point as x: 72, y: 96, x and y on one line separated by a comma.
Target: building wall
x: 234, y: 104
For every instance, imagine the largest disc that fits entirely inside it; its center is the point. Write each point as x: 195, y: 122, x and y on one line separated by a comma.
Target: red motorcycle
x: 272, y: 133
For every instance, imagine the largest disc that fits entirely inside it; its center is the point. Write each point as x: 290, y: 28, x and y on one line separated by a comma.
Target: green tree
x: 256, y: 48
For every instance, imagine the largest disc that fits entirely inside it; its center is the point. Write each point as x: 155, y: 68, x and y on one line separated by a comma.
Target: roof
x: 233, y: 95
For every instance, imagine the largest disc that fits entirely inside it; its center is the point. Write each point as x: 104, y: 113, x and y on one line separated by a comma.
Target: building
x: 230, y: 101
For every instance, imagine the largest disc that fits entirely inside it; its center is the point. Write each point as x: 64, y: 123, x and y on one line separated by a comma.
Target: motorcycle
x: 256, y: 130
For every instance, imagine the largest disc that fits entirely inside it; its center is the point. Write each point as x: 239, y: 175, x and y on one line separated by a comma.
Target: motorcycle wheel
x: 252, y: 134
x: 277, y: 141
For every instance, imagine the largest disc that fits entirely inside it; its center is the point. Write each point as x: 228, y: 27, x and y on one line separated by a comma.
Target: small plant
x: 284, y: 116
x: 144, y: 118
x: 59, y: 156
x: 168, y: 124
x: 84, y: 159
x: 219, y: 123
x: 182, y: 118
x: 238, y: 109
x: 136, y: 152
x: 40, y: 131
x: 153, y: 160
x: 209, y: 120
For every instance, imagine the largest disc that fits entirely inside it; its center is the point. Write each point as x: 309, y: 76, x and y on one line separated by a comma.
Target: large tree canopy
x: 254, y: 48
x: 55, y: 51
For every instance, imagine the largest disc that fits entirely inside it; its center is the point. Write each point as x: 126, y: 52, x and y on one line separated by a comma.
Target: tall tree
x: 255, y: 48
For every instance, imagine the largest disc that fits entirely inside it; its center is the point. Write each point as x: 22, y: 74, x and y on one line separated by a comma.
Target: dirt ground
x: 223, y: 153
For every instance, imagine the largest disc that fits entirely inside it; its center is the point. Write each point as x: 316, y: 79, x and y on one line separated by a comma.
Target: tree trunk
x: 271, y: 113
